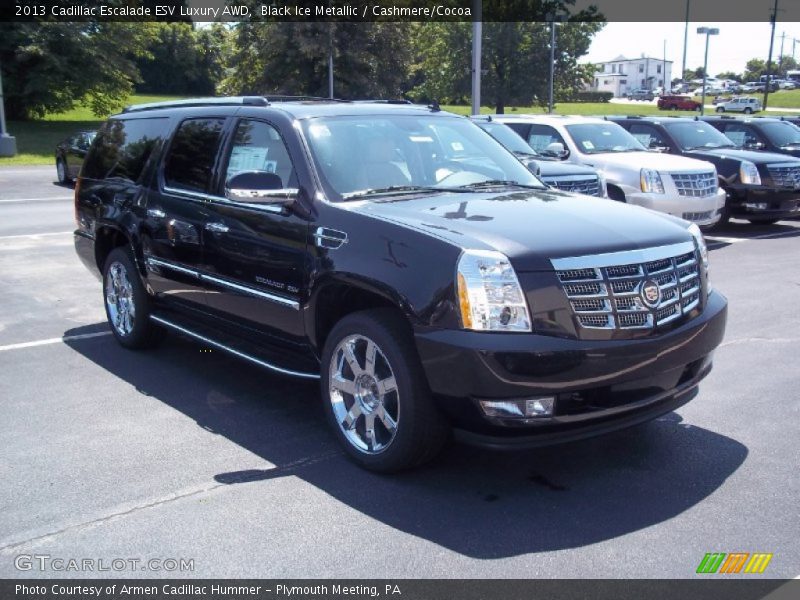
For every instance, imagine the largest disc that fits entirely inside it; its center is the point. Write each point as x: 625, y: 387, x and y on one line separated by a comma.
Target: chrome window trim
x: 190, y: 195
x: 293, y: 304
x: 623, y: 257
x: 239, y: 353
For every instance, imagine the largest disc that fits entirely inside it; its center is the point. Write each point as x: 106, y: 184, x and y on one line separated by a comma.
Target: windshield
x: 781, y: 133
x: 691, y: 136
x: 596, y: 138
x: 507, y: 136
x: 361, y: 156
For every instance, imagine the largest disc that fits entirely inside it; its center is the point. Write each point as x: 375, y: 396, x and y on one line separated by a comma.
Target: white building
x: 621, y: 75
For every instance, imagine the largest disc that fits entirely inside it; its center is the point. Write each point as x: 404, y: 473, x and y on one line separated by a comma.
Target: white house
x: 621, y: 75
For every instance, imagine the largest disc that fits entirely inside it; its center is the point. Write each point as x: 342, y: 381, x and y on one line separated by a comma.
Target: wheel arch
x: 339, y: 295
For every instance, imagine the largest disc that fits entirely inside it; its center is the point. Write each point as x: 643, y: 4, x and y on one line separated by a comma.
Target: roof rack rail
x: 189, y: 102
x: 289, y: 98
x: 385, y: 101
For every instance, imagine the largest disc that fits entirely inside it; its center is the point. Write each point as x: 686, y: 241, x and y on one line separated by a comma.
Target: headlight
x: 701, y: 246
x: 489, y: 294
x: 748, y: 173
x: 651, y: 181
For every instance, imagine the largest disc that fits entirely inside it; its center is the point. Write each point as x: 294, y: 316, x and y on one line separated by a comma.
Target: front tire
x: 375, y: 393
x: 720, y: 109
x: 763, y: 221
x: 127, y: 303
x: 748, y: 110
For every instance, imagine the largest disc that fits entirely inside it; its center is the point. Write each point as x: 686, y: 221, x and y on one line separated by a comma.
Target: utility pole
x: 685, y: 40
x: 780, y: 56
x: 8, y: 144
x: 330, y: 60
x: 769, y: 59
x: 664, y: 72
x: 477, y: 34
x: 708, y: 31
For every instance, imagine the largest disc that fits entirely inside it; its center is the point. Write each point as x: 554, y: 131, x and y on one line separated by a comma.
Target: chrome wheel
x: 363, y: 394
x: 119, y: 299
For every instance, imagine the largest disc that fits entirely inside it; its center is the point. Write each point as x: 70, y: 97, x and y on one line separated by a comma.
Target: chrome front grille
x: 785, y: 175
x: 579, y: 184
x: 637, y: 289
x: 696, y: 185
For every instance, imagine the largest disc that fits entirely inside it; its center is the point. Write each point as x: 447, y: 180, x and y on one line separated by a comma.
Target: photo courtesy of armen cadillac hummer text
x: 405, y: 259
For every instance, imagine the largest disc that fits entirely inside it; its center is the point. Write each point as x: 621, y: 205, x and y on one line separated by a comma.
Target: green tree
x: 49, y: 66
x: 183, y: 60
x: 729, y: 75
x: 515, y: 59
x: 754, y: 69
x: 370, y: 59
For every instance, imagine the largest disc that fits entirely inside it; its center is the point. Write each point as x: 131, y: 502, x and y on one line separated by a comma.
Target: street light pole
x: 477, y: 34
x: 552, y: 65
x: 8, y: 144
x: 769, y: 59
x: 708, y: 31
x: 685, y: 40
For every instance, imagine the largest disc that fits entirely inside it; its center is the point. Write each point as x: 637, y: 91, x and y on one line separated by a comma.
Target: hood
x: 531, y: 227
x: 757, y: 157
x: 788, y: 152
x: 560, y: 169
x: 646, y: 160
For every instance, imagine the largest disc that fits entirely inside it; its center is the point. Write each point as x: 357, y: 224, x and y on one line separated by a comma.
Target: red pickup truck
x: 677, y: 103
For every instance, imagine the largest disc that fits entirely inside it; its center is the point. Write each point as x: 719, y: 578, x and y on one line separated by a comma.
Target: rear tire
x: 380, y: 408
x: 748, y: 110
x: 61, y: 171
x: 720, y: 109
x: 128, y: 306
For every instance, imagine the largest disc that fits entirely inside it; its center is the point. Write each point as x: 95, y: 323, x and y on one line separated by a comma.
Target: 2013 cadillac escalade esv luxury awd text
x: 406, y: 259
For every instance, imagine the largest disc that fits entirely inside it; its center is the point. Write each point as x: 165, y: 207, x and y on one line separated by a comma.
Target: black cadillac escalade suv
x: 761, y: 187
x: 425, y: 287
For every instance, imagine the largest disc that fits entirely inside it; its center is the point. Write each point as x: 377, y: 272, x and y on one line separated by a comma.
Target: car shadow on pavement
x: 478, y: 503
x: 735, y: 231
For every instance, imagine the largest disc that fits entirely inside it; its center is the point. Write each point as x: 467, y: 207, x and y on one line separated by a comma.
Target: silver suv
x: 740, y: 104
x: 683, y: 187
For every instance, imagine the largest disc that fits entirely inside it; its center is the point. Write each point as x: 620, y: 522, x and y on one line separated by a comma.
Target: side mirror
x: 533, y: 167
x: 656, y: 147
x: 556, y: 149
x: 259, y: 187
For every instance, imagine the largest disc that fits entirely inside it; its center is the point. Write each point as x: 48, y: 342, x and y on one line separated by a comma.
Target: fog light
x: 518, y: 409
x: 756, y: 205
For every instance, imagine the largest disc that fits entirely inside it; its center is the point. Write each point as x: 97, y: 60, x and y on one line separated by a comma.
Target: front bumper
x: 762, y: 203
x: 598, y: 385
x: 702, y: 211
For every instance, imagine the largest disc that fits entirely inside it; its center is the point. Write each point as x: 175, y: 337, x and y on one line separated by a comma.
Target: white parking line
x: 40, y: 199
x: 34, y: 235
x: 58, y: 340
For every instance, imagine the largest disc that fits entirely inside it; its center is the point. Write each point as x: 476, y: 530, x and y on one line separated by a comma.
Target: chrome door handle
x: 156, y: 213
x: 217, y: 227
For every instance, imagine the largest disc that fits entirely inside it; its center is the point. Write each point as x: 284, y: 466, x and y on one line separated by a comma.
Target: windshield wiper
x: 499, y: 182
x: 397, y: 189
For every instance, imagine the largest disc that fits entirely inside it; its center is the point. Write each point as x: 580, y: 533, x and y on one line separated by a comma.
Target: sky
x: 729, y: 51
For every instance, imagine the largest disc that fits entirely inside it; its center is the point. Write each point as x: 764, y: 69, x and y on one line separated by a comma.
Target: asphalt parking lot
x: 189, y: 454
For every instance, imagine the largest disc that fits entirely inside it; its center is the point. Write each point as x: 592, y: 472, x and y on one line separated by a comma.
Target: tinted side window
x: 541, y: 136
x: 258, y: 146
x: 191, y: 157
x: 122, y: 147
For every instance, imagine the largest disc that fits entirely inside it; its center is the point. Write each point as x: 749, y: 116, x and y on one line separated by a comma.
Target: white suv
x: 740, y: 104
x: 683, y: 187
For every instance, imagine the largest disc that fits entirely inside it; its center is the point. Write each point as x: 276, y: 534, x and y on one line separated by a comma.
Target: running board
x: 220, y: 346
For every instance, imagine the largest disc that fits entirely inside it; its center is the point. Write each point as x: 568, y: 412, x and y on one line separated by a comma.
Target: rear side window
x: 122, y: 147
x: 190, y: 162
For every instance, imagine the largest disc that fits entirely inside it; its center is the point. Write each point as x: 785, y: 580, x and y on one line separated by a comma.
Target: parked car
x: 567, y: 177
x: 632, y: 174
x: 70, y: 154
x: 740, y: 104
x: 641, y: 94
x: 760, y: 133
x: 756, y: 183
x: 678, y: 102
x: 404, y: 258
x: 753, y: 86
x: 788, y: 84
x: 794, y: 120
